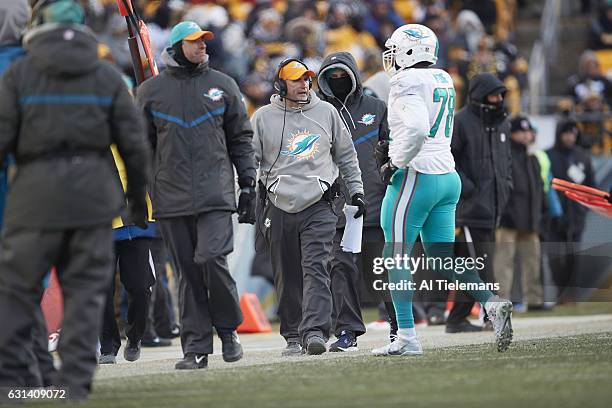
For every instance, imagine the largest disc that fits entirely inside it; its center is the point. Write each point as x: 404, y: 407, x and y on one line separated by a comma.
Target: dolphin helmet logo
x: 415, y: 34
x: 367, y: 119
x: 214, y: 94
x: 302, y: 145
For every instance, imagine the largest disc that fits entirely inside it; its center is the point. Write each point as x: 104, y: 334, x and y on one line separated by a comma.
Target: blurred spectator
x: 438, y: 24
x: 595, y: 124
x: 601, y: 28
x: 470, y: 30
x: 342, y: 36
x: 568, y: 162
x: 382, y: 21
x: 589, y: 80
x: 518, y: 236
x: 486, y: 10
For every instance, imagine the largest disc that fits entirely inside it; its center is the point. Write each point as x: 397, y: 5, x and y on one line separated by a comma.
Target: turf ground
x: 555, y: 361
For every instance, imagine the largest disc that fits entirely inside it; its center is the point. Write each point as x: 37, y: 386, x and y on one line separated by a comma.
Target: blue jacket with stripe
x: 60, y: 110
x: 199, y: 129
x: 366, y: 119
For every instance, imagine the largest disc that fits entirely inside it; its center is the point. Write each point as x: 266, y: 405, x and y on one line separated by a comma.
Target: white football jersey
x: 421, y: 110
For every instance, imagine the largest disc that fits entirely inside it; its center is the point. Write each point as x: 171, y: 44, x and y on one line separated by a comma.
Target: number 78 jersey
x: 421, y: 110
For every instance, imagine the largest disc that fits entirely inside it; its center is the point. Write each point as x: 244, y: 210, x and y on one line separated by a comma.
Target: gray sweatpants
x: 207, y: 292
x: 83, y: 258
x: 301, y: 247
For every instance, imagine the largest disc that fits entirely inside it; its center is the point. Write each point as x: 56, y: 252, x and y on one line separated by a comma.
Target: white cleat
x: 400, y: 347
x: 500, y: 314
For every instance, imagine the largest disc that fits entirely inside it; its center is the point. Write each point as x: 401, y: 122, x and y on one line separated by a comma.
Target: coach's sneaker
x: 107, y: 359
x: 293, y: 349
x: 400, y: 347
x: 346, y: 342
x: 232, y: 349
x: 192, y: 361
x: 131, y: 352
x: 500, y: 314
x: 315, y: 345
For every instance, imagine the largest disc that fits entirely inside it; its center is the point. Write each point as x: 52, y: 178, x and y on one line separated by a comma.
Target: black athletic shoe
x: 192, y: 361
x: 462, y: 327
x: 232, y: 349
x: 107, y: 359
x: 293, y: 349
x: 131, y: 352
x: 155, y: 342
x: 315, y: 345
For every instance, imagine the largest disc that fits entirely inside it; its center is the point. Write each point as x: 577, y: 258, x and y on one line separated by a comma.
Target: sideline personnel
x: 300, y: 145
x: 60, y: 110
x: 199, y: 129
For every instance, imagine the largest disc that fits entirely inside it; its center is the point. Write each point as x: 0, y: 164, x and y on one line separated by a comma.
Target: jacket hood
x: 63, y: 49
x: 485, y: 84
x: 279, y: 102
x: 167, y: 57
x: 345, y: 61
x: 14, y: 16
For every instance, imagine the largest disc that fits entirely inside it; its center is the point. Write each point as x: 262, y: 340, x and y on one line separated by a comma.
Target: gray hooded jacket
x: 14, y: 16
x: 315, y: 147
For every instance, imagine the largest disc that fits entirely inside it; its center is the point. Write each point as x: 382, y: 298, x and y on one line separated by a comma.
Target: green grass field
x: 560, y: 372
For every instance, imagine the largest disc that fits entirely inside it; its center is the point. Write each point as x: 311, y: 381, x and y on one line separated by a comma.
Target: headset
x: 280, y: 85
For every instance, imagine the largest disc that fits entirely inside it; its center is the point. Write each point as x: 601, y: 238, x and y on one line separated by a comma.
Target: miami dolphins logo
x: 367, y: 119
x: 415, y: 33
x: 302, y: 145
x: 214, y: 94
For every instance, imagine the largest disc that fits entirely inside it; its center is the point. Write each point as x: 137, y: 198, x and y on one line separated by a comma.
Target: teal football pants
x: 417, y: 203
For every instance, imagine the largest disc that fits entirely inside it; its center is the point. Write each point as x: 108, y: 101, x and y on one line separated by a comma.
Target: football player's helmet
x: 408, y: 45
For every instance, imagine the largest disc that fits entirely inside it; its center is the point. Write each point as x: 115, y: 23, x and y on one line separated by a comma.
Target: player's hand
x: 246, y: 206
x: 387, y: 171
x: 358, y: 200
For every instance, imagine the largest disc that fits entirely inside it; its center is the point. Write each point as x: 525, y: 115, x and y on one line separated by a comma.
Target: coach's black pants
x: 472, y: 242
x: 132, y: 258
x: 301, y: 247
x: 83, y: 258
x: 207, y: 292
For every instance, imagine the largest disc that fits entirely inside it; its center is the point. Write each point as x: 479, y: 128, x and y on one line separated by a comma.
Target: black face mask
x: 179, y: 56
x: 341, y: 87
x: 491, y: 113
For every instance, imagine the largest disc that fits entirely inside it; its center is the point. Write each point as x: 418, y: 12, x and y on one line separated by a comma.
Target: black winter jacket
x: 573, y: 165
x: 366, y: 119
x: 199, y: 127
x: 482, y: 158
x: 60, y: 110
x: 524, y: 209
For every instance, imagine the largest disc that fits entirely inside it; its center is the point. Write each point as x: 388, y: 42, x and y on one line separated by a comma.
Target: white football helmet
x: 408, y: 45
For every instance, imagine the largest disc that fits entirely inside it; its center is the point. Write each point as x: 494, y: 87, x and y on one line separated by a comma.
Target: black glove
x: 246, y: 206
x: 381, y: 153
x: 359, y: 201
x: 139, y: 211
x: 387, y: 171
